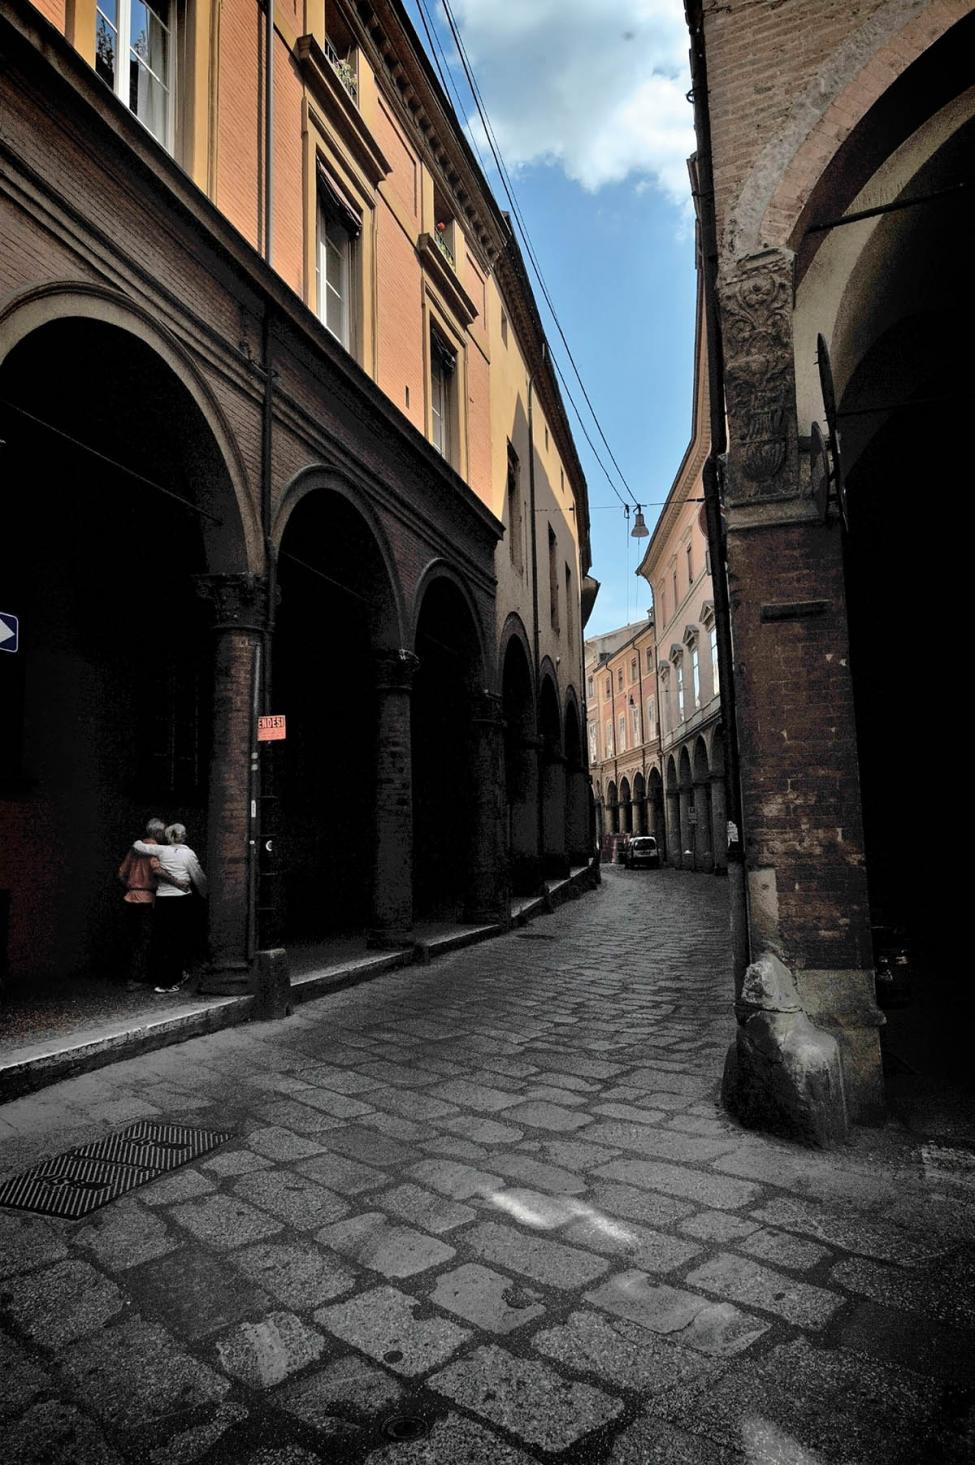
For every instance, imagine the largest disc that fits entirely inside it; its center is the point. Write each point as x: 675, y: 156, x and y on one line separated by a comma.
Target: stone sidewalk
x: 492, y: 1203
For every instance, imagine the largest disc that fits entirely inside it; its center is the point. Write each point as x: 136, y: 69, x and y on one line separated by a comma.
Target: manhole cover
x: 70, y: 1186
x: 406, y: 1427
x: 84, y: 1179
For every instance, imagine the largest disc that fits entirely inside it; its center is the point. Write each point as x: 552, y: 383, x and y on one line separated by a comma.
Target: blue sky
x: 586, y: 98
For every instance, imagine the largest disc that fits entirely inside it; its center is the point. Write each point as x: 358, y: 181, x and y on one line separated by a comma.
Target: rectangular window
x: 593, y: 743
x: 589, y: 688
x: 635, y: 726
x: 715, y: 678
x: 622, y: 744
x: 633, y: 669
x: 651, y: 718
x: 134, y: 56
x: 553, y: 578
x: 515, y: 512
x: 696, y: 674
x: 609, y: 740
x: 504, y: 328
x: 680, y: 691
x: 690, y: 566
x: 608, y: 689
x: 674, y: 579
x: 649, y: 658
x: 619, y: 679
x: 337, y: 230
x: 443, y: 364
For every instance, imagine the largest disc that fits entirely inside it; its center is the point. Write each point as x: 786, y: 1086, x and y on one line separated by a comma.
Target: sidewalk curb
x: 28, y: 1075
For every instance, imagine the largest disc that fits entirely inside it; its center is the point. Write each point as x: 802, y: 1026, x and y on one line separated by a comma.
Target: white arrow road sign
x: 9, y: 631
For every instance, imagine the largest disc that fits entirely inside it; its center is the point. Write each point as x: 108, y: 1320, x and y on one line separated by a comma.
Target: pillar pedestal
x: 391, y: 921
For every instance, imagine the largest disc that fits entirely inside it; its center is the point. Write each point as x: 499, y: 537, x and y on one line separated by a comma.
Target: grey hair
x: 176, y: 833
x: 155, y: 826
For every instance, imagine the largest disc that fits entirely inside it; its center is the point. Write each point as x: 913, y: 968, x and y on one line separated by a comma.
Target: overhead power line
x: 530, y: 250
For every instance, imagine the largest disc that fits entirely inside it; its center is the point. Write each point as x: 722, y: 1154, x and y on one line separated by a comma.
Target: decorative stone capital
x: 486, y: 708
x: 395, y: 670
x: 237, y: 602
x: 756, y: 312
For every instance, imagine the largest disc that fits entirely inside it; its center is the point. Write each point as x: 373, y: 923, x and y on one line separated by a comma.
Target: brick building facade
x: 280, y: 429
x: 834, y: 143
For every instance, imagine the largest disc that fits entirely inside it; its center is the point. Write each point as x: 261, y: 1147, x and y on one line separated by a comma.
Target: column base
x: 234, y: 979
x: 526, y: 874
x: 390, y: 939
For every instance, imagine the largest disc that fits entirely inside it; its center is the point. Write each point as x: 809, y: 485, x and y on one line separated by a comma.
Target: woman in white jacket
x: 172, y: 938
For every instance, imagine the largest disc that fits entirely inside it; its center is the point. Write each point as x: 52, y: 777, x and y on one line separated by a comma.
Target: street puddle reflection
x: 545, y: 1212
x: 765, y: 1444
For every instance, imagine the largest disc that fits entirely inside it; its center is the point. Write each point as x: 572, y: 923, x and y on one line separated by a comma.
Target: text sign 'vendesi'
x: 271, y: 729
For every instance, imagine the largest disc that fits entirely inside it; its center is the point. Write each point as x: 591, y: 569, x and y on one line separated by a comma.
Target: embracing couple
x: 159, y: 872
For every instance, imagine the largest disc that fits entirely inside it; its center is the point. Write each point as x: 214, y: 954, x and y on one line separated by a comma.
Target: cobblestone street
x: 495, y: 1195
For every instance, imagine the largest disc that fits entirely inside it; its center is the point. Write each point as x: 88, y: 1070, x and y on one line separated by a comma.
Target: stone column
x: 703, y: 851
x: 685, y: 800
x: 487, y: 892
x: 673, y: 827
x: 391, y: 923
x: 555, y: 862
x: 577, y: 833
x: 239, y: 618
x: 523, y: 796
x: 719, y: 824
x: 807, y: 892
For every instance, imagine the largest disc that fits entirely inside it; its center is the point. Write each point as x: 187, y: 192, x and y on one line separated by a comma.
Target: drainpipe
x: 268, y: 123
x: 712, y: 501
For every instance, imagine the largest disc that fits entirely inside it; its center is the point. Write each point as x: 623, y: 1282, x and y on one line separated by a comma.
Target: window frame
x: 120, y: 84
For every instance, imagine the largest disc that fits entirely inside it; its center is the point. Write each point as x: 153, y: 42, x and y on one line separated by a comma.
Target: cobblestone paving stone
x: 493, y: 1198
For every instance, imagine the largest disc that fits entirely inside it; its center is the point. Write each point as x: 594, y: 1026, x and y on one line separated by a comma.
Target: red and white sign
x: 271, y: 729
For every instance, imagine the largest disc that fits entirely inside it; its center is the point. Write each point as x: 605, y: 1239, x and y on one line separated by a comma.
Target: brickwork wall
x: 239, y: 111
x: 778, y: 74
x: 288, y: 237
x: 401, y: 361
x: 798, y: 740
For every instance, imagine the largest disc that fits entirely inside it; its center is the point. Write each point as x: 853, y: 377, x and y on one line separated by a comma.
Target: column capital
x: 756, y: 307
x: 237, y: 602
x: 395, y: 670
x: 486, y: 707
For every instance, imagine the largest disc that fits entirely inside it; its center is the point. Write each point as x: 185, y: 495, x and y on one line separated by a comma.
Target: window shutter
x: 335, y: 206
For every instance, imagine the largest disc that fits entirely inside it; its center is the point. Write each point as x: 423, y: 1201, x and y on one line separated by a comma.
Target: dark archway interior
x: 105, y: 707
x: 911, y: 464
x: 336, y: 602
x: 449, y: 669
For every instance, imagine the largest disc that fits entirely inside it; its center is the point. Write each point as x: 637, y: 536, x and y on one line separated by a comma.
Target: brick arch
x: 850, y: 81
x: 316, y: 478
x: 70, y: 300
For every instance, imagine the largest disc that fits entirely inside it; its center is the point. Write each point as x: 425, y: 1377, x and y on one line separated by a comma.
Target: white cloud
x: 597, y: 87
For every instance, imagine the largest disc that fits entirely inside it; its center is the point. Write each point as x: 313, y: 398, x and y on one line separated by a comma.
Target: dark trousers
x: 138, y: 921
x: 172, y: 939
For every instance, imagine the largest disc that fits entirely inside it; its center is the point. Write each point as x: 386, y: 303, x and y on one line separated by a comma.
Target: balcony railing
x: 344, y: 70
x: 441, y: 242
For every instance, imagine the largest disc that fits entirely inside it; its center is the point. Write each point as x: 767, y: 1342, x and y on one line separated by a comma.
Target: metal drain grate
x: 70, y: 1186
x: 153, y: 1146
x: 84, y: 1179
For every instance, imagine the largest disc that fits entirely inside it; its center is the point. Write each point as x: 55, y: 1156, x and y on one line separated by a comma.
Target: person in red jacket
x: 140, y: 874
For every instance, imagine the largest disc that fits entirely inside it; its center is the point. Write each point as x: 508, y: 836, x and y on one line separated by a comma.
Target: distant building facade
x: 677, y: 568
x: 623, y: 730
